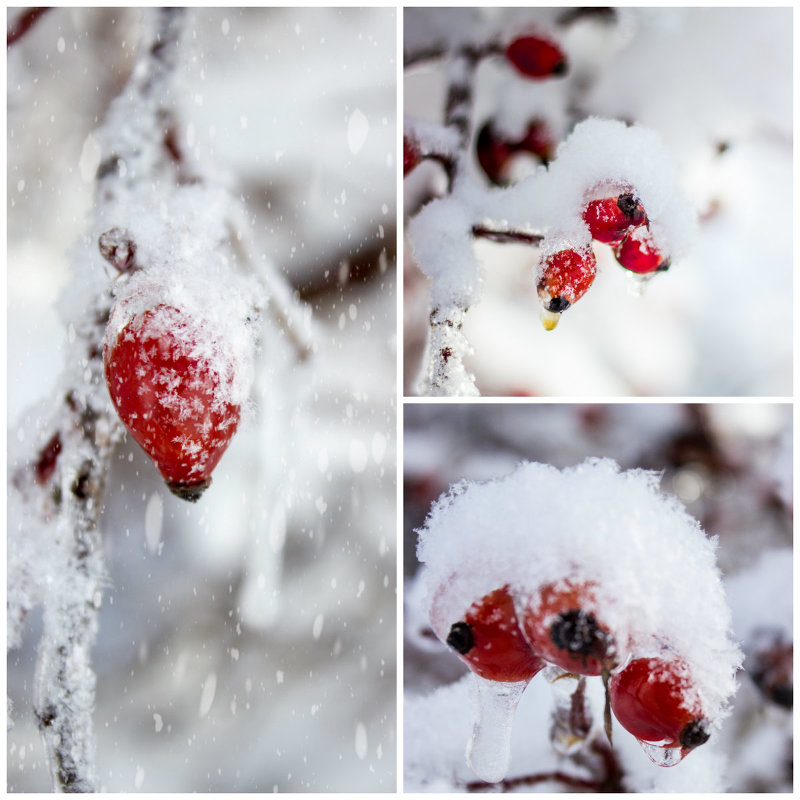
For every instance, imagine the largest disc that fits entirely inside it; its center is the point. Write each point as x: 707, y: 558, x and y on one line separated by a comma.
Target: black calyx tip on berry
x: 664, y: 265
x: 560, y: 68
x: 577, y: 631
x: 626, y: 203
x: 782, y: 696
x: 191, y: 492
x: 558, y: 305
x: 695, y: 733
x: 460, y: 638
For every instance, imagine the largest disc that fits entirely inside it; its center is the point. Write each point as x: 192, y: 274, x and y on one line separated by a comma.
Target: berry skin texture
x: 490, y: 642
x: 171, y: 397
x: 610, y: 219
x: 561, y: 626
x: 565, y: 277
x: 536, y: 57
x: 651, y: 700
x: 411, y: 155
x: 638, y: 253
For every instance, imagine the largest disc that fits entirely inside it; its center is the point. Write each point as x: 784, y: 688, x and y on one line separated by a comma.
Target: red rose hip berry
x: 610, y: 219
x: 561, y: 624
x: 412, y: 155
x: 565, y: 277
x: 490, y: 642
x: 652, y: 699
x: 536, y: 57
x: 638, y: 253
x: 164, y: 379
x: 493, y: 153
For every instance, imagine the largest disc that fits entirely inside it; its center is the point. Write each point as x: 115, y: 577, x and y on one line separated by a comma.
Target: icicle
x: 549, y: 319
x: 572, y: 719
x: 663, y: 756
x: 489, y: 749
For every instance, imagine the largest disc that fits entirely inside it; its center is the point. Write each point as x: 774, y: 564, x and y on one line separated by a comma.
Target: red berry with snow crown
x: 536, y: 57
x: 652, y: 698
x: 171, y: 395
x: 610, y: 218
x: 562, y: 624
x: 639, y: 253
x: 565, y: 276
x: 490, y: 642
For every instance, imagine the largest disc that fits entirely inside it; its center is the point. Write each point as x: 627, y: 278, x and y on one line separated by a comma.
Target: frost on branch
x: 638, y: 580
x: 163, y: 231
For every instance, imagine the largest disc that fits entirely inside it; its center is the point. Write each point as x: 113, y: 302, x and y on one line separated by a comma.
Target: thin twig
x: 506, y: 236
x: 66, y: 481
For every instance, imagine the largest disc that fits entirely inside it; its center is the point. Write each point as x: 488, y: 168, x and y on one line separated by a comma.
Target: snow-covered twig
x: 58, y: 490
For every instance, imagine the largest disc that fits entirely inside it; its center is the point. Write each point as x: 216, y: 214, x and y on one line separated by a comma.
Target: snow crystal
x: 153, y: 520
x: 361, y: 740
x: 357, y: 131
x: 319, y: 622
x: 658, y: 586
x: 358, y: 455
x: 208, y: 693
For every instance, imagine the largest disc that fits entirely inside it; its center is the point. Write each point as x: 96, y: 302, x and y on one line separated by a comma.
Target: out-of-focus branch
x: 23, y: 23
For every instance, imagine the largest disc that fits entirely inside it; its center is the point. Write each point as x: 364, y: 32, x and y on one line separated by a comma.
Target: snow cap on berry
x: 648, y: 559
x: 602, y: 158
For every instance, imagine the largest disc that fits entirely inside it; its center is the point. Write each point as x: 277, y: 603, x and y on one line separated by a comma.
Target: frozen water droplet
x: 489, y: 749
x: 638, y: 283
x: 663, y: 756
x: 549, y: 319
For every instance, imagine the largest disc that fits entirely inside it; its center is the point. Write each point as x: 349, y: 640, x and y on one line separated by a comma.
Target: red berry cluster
x: 495, y: 152
x: 509, y: 636
x: 619, y: 221
x: 171, y: 396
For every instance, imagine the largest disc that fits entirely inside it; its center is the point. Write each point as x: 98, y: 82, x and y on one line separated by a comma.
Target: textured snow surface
x: 658, y: 586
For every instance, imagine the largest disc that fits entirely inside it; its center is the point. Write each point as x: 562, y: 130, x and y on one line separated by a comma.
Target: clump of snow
x: 441, y: 236
x: 602, y: 158
x: 658, y: 587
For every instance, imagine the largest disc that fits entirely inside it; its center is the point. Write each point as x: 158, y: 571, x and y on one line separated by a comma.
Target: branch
x: 62, y: 484
x: 23, y: 23
x: 506, y: 236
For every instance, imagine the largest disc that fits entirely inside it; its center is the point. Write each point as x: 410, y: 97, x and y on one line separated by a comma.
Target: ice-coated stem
x: 63, y: 483
x: 572, y: 718
x: 489, y: 749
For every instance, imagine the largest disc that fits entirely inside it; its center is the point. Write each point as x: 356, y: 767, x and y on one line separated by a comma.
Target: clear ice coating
x: 571, y: 718
x: 489, y: 749
x: 663, y: 756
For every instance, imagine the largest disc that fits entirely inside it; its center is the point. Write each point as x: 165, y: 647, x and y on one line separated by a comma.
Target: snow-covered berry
x: 565, y: 276
x: 490, y: 642
x: 653, y: 698
x: 170, y: 393
x: 610, y: 218
x: 563, y: 624
x: 639, y: 253
x: 536, y: 57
